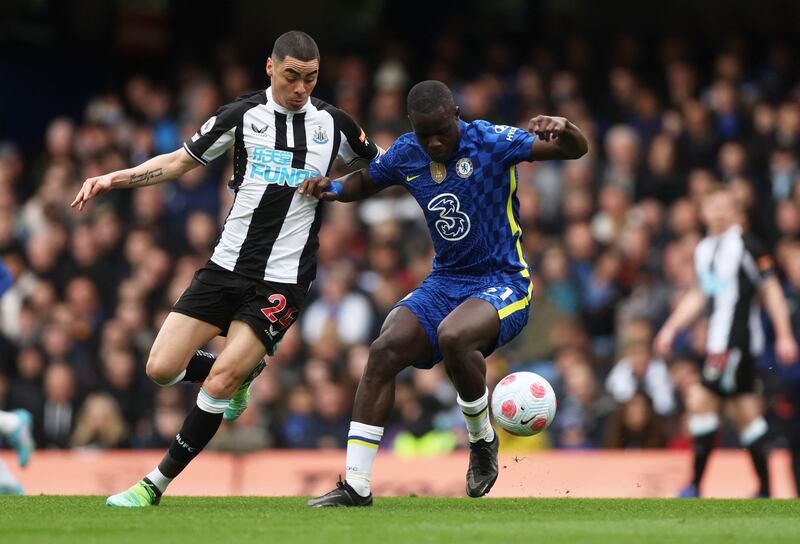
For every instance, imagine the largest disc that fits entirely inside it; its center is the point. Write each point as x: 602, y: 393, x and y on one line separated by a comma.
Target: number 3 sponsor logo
x: 453, y: 224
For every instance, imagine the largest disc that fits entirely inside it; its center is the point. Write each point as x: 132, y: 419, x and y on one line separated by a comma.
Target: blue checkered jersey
x: 470, y: 202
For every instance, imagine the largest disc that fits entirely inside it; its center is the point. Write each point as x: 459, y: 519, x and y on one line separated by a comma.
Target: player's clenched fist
x: 91, y: 188
x: 547, y: 128
x: 318, y: 187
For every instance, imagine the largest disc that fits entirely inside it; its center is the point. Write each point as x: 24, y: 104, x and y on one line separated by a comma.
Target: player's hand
x: 317, y: 187
x: 547, y: 128
x: 662, y: 343
x: 786, y: 350
x: 91, y: 188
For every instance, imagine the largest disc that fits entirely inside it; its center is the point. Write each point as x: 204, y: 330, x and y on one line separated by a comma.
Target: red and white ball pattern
x: 524, y: 403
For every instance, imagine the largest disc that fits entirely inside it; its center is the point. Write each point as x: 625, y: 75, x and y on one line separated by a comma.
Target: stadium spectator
x: 346, y: 313
x: 783, y: 382
x: 100, y: 424
x: 60, y: 407
x: 583, y: 406
x: 636, y: 425
x: 638, y: 371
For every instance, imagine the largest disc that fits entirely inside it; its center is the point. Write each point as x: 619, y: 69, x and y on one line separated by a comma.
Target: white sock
x: 753, y: 432
x: 159, y: 480
x: 700, y: 424
x: 362, y: 446
x: 476, y: 414
x: 209, y: 404
x: 9, y: 422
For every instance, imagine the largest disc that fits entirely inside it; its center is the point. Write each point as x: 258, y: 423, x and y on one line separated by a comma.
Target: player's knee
x: 448, y: 340
x: 699, y: 400
x: 158, y: 370
x: 453, y: 342
x: 222, y: 384
x: 386, y: 360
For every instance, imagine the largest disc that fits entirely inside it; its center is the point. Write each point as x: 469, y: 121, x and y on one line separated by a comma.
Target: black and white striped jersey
x: 271, y: 231
x: 730, y: 269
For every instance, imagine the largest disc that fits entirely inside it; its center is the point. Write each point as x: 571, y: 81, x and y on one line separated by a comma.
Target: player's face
x: 719, y: 212
x: 437, y: 132
x: 292, y: 81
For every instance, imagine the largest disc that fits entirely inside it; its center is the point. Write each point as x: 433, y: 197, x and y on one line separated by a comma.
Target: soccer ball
x: 524, y: 403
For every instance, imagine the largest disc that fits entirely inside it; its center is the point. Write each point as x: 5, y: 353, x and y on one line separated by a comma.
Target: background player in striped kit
x: 731, y: 268
x: 253, y: 286
x: 478, y: 295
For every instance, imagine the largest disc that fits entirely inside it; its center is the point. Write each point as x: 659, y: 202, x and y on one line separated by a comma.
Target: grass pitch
x: 195, y: 520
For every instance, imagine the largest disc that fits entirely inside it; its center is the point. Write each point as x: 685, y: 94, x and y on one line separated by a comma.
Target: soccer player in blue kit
x: 477, y: 296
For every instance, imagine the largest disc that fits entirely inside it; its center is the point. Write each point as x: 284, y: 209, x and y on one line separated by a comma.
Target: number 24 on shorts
x: 280, y: 305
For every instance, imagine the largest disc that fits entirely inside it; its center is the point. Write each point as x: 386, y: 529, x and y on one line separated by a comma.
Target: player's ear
x: 458, y: 112
x: 270, y: 67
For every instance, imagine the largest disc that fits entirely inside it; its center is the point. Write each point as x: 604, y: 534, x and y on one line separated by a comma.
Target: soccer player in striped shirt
x: 732, y: 269
x: 255, y: 283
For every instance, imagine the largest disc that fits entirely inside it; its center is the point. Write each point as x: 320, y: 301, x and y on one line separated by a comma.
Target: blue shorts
x: 440, y: 294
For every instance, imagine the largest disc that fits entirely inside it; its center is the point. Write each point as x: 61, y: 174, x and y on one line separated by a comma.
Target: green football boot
x: 238, y: 402
x: 142, y: 493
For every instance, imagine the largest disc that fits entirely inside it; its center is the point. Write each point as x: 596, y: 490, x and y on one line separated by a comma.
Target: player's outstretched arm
x: 785, y: 344
x: 557, y: 139
x: 355, y: 186
x: 157, y: 170
x: 689, y: 308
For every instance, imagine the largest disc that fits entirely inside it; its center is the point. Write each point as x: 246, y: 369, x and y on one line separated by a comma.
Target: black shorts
x: 731, y: 373
x: 218, y: 296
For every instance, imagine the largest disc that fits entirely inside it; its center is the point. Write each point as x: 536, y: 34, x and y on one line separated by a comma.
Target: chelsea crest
x: 464, y: 168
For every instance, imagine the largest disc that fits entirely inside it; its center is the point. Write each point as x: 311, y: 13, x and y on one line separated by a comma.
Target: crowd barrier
x: 292, y: 473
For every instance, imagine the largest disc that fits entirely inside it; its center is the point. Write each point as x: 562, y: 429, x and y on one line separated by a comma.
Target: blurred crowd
x: 610, y: 239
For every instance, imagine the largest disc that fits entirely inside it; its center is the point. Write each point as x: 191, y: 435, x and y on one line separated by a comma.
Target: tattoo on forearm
x: 146, y: 177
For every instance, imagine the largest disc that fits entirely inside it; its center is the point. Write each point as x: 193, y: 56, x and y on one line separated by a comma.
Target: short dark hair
x: 297, y: 44
x: 427, y: 96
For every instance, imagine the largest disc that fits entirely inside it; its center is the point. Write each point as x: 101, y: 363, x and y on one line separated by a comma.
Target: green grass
x: 190, y: 520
